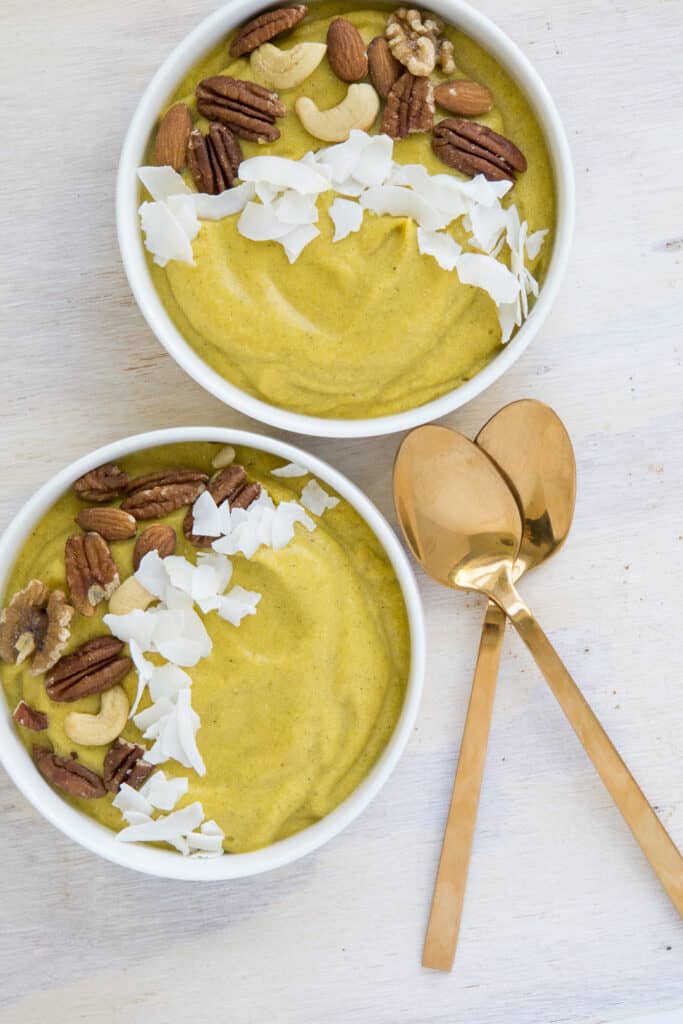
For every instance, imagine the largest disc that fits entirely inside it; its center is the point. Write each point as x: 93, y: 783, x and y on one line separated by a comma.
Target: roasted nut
x: 159, y: 538
x: 214, y: 159
x: 170, y: 145
x: 29, y: 717
x: 383, y: 67
x: 93, y: 667
x: 358, y: 109
x: 91, y: 572
x: 416, y: 41
x: 409, y: 107
x: 461, y: 96
x: 346, y: 51
x: 35, y: 623
x: 472, y: 148
x: 131, y: 595
x: 229, y: 484
x: 101, y: 484
x: 124, y: 763
x: 110, y: 523
x: 67, y: 774
x: 248, y: 109
x: 286, y: 69
x: 224, y: 457
x: 267, y: 26
x: 156, y: 495
x: 100, y: 729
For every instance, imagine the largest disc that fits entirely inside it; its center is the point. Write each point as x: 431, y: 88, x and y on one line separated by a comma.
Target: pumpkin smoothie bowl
x: 206, y: 649
x: 347, y: 212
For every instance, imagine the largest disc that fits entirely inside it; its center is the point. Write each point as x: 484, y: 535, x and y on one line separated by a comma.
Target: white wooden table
x: 564, y: 921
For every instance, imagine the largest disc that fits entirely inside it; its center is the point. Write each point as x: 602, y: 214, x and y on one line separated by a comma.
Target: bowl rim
x: 162, y: 85
x: 168, y: 863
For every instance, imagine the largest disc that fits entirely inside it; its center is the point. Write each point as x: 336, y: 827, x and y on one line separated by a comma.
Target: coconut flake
x: 291, y: 469
x: 287, y: 514
x: 340, y: 161
x: 152, y: 575
x: 283, y: 174
x: 136, y: 625
x: 129, y: 800
x: 145, y: 670
x: 162, y: 182
x: 164, y: 235
x: 237, y: 604
x: 260, y: 223
x: 183, y: 209
x: 166, y: 681
x: 487, y: 273
x: 180, y: 636
x: 225, y: 204
x: 296, y: 241
x: 346, y: 217
x: 164, y: 793
x: 316, y: 499
x: 165, y: 828
x: 487, y: 224
x: 534, y: 243
x: 374, y: 163
x: 206, y: 519
x: 172, y: 724
x: 402, y: 202
x: 441, y: 246
x: 294, y: 208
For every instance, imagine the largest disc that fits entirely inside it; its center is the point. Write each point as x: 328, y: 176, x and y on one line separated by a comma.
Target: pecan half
x: 159, y: 538
x: 170, y: 144
x: 409, y: 107
x: 67, y: 774
x: 416, y: 41
x: 111, y: 523
x: 101, y: 484
x: 383, y: 67
x: 472, y: 148
x: 249, y: 110
x: 266, y: 27
x: 124, y: 763
x: 91, y: 572
x: 214, y: 159
x: 346, y: 51
x: 230, y: 484
x: 93, y: 667
x: 29, y: 717
x: 156, y: 495
x: 35, y: 623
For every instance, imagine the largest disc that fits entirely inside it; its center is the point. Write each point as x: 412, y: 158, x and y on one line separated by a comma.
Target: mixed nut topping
x: 399, y: 65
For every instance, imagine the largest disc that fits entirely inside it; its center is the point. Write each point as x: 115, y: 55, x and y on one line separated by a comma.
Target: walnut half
x: 35, y: 624
x: 416, y: 40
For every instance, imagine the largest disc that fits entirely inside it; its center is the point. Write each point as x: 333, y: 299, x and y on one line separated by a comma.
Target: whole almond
x: 460, y: 96
x: 170, y: 146
x: 383, y: 67
x: 346, y: 51
x: 159, y: 538
x: 110, y: 523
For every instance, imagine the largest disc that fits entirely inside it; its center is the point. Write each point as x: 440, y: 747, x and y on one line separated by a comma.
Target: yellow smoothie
x: 296, y: 704
x: 366, y: 326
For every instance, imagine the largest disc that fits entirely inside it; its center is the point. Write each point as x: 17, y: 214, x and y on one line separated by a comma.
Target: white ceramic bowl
x: 165, y: 82
x: 168, y: 863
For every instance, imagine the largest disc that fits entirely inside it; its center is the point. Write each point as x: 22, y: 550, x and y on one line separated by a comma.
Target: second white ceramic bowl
x: 167, y: 863
x: 199, y: 42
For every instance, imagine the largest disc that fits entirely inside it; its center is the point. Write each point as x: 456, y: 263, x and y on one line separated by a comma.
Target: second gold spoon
x: 528, y: 440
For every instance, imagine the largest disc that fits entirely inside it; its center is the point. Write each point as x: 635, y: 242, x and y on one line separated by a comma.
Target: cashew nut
x: 358, y: 109
x: 285, y: 69
x: 224, y: 457
x: 100, y: 729
x: 129, y: 596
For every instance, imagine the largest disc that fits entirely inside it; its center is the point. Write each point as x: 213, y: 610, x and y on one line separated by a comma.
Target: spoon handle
x: 451, y: 879
x: 653, y: 838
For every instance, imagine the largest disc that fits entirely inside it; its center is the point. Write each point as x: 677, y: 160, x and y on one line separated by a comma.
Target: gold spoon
x: 529, y: 440
x: 463, y: 524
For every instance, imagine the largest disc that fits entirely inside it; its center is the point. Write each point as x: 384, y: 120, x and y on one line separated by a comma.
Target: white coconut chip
x: 164, y: 235
x: 440, y: 245
x: 535, y: 242
x: 487, y: 273
x: 283, y: 174
x: 374, y: 163
x: 166, y: 681
x: 350, y: 187
x: 129, y: 800
x: 135, y: 817
x: 206, y: 519
x: 316, y: 499
x: 137, y: 625
x: 183, y: 209
x: 287, y: 514
x: 265, y: 192
x: 340, y: 161
x: 291, y: 469
x: 180, y: 636
x: 260, y: 224
x: 205, y: 844
x: 162, y: 182
x: 172, y: 725
x: 225, y: 204
x: 297, y: 239
x: 487, y: 224
x: 167, y: 828
x: 145, y: 670
x: 164, y: 793
x: 293, y: 208
x: 237, y: 604
x: 152, y: 575
x: 403, y: 202
x: 346, y: 217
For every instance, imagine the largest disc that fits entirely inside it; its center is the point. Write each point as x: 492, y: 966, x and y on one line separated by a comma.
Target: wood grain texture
x: 563, y: 920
